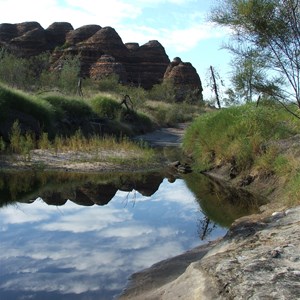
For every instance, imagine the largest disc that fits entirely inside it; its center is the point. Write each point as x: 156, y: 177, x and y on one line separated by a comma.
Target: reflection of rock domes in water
x: 99, y: 194
x: 54, y: 198
x: 57, y: 189
x: 146, y: 186
x: 89, y: 193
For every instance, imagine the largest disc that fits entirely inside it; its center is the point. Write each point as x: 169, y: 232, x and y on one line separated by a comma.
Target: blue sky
x: 181, y: 26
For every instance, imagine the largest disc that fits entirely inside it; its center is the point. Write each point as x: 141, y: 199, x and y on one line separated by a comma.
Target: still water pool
x: 81, y: 236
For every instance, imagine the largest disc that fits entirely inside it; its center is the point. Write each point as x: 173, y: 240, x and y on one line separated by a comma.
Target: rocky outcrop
x: 31, y: 43
x: 146, y: 64
x: 185, y: 79
x: 25, y: 27
x: 24, y: 39
x: 258, y: 259
x: 108, y: 44
x: 107, y: 41
x: 56, y: 34
x: 7, y: 32
x: 30, y: 38
x: 102, y: 53
x: 106, y: 66
x: 81, y: 34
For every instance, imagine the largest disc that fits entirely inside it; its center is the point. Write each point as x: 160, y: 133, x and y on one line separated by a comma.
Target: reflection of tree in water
x: 219, y: 202
x: 205, y: 227
x: 127, y: 200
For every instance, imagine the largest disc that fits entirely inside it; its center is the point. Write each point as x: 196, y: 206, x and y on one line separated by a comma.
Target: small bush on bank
x: 21, y: 143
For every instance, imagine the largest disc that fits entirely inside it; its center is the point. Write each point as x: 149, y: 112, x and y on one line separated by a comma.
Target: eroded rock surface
x: 259, y: 258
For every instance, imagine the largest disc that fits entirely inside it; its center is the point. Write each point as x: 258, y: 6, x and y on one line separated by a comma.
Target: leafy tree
x: 13, y: 71
x: 24, y: 73
x: 69, y: 74
x: 271, y: 29
x: 248, y: 75
x: 231, y: 97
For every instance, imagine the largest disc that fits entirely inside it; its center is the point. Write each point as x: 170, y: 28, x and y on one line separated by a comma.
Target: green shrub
x: 105, y: 107
x: 144, y: 120
x: 14, y: 71
x: 108, y: 84
x: 28, y: 144
x: 21, y: 143
x: 138, y: 95
x: 44, y: 142
x: 163, y: 92
x: 69, y: 107
x: 15, y: 138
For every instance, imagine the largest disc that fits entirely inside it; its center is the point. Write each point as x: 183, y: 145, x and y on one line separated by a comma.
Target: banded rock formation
x: 102, y: 53
x: 185, y: 79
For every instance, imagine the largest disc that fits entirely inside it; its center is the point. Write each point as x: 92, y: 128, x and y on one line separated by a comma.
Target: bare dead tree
x: 215, y: 87
x: 127, y: 102
x: 79, y: 87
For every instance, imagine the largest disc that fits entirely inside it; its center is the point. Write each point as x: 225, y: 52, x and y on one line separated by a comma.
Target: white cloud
x: 185, y: 39
x: 24, y: 214
x: 157, y: 252
x: 157, y: 2
x: 177, y: 40
x: 115, y: 13
x: 88, y: 220
x: 126, y: 231
x: 76, y: 12
x: 110, y: 13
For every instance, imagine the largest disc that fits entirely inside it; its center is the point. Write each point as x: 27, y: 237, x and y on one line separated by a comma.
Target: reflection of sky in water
x: 77, y: 252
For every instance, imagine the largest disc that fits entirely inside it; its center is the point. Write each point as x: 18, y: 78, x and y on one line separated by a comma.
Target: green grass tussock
x: 12, y: 100
x: 69, y: 107
x: 240, y: 134
x: 58, y: 114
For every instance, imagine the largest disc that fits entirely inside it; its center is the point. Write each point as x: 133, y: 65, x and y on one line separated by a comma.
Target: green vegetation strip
x: 249, y: 138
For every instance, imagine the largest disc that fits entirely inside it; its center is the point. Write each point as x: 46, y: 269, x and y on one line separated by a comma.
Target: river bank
x: 101, y: 160
x: 257, y: 259
x: 77, y: 161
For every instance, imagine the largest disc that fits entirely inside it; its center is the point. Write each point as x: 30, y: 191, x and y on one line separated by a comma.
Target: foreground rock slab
x: 259, y: 258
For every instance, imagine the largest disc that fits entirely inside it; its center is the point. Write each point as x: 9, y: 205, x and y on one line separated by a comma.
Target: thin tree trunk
x: 215, y: 86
